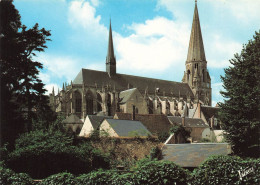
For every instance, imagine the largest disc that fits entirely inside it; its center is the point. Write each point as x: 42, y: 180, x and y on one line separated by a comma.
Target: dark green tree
x: 22, y: 92
x: 240, y: 112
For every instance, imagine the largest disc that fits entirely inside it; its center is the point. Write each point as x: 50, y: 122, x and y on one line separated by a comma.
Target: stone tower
x: 196, y: 74
x: 110, y: 59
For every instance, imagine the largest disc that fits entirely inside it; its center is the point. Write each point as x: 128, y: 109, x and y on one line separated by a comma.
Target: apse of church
x: 105, y: 93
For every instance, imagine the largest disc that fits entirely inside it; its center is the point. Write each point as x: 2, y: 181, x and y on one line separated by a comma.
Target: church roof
x: 192, y: 155
x: 196, y: 48
x: 126, y: 95
x: 72, y: 119
x: 209, y: 112
x: 122, y: 82
x: 128, y: 128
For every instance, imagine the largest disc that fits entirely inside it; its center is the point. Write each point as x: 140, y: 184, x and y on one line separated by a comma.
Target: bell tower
x: 196, y: 74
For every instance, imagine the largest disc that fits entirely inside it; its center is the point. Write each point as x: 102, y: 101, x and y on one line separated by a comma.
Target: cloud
x: 220, y: 50
x: 49, y: 88
x: 154, y: 46
x: 216, y: 96
x: 83, y: 15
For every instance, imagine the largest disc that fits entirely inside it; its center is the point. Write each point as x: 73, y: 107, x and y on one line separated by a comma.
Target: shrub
x: 59, y: 179
x: 156, y: 153
x: 225, y: 170
x: 46, y: 153
x: 160, y: 172
x: 7, y: 176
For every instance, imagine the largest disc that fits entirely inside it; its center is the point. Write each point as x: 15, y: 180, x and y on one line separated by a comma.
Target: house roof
x: 72, y: 119
x: 125, y: 95
x: 128, y: 128
x: 189, y: 122
x: 209, y: 111
x: 122, y: 82
x: 97, y: 120
x: 155, y: 123
x: 192, y: 155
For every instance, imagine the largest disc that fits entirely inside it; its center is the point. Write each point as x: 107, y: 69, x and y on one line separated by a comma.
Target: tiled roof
x: 155, y: 123
x: 97, y: 120
x: 128, y: 128
x: 209, y: 111
x: 189, y: 122
x: 72, y: 119
x: 125, y: 95
x: 122, y: 82
x: 192, y: 155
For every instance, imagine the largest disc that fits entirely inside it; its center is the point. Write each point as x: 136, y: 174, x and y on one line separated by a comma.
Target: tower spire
x: 196, y: 47
x: 110, y: 60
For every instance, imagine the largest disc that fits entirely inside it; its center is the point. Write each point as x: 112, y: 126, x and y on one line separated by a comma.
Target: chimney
x: 183, y: 120
x: 133, y: 115
x: 199, y: 110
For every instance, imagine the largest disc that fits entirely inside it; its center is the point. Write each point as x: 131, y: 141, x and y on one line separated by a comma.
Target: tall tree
x: 22, y: 92
x: 240, y: 112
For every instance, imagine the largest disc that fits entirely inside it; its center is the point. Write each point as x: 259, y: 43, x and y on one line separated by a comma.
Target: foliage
x: 156, y: 153
x: 42, y: 153
x: 163, y: 136
x: 59, y: 179
x: 7, y: 176
x: 225, y: 170
x: 179, y: 129
x: 22, y: 92
x: 240, y: 110
x: 160, y: 172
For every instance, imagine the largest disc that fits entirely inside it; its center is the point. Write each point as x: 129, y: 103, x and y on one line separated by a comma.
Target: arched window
x: 109, y: 104
x: 203, y: 75
x: 89, y: 103
x: 99, y: 103
x: 188, y: 75
x: 78, y: 101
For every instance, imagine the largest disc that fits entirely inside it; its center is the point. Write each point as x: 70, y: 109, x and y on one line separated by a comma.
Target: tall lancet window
x: 89, y: 103
x: 99, y: 103
x: 188, y: 76
x: 203, y: 75
x: 78, y: 101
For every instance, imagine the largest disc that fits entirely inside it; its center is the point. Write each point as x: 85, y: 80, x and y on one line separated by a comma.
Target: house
x: 92, y: 122
x: 123, y: 128
x: 156, y: 123
x: 197, y: 127
x: 73, y: 123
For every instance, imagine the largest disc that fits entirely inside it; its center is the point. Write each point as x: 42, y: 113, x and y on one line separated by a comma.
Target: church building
x: 107, y: 92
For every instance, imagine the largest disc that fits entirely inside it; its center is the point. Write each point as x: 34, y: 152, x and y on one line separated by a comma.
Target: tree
x: 22, y: 92
x: 240, y: 112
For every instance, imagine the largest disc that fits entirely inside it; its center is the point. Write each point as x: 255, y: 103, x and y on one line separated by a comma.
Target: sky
x: 151, y: 37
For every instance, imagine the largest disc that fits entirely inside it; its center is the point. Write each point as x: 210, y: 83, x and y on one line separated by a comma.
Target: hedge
x: 225, y: 170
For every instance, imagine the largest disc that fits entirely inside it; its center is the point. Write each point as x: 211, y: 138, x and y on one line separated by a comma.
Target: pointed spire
x: 63, y: 88
x: 53, y: 93
x: 110, y: 50
x: 196, y: 48
x: 110, y: 60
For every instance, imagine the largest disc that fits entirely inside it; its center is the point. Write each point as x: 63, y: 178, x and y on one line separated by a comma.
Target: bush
x: 46, y: 153
x: 105, y: 177
x: 160, y: 172
x: 7, y: 176
x: 225, y: 170
x: 156, y: 153
x: 59, y: 179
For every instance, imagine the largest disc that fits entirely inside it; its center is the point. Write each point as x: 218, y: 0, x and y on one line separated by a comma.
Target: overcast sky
x: 150, y: 37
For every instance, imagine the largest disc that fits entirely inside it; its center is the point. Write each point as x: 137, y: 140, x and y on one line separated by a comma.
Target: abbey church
x: 108, y: 92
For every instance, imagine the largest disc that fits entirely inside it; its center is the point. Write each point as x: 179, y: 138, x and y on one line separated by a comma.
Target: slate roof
x: 155, y: 123
x: 189, y: 122
x: 72, y: 119
x: 125, y: 95
x: 209, y: 111
x: 97, y: 120
x: 192, y: 155
x: 122, y: 82
x: 128, y: 128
